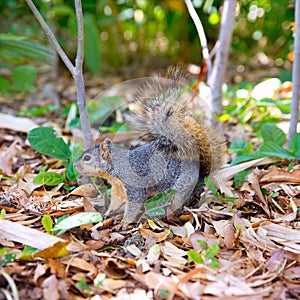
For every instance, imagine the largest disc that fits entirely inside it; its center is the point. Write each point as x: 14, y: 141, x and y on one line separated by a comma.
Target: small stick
x: 201, y: 33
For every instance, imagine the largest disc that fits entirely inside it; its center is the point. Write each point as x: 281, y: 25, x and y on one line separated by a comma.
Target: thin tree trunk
x: 296, y: 75
x: 216, y: 77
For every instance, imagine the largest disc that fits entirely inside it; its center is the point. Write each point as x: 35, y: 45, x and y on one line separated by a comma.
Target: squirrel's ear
x: 105, y: 148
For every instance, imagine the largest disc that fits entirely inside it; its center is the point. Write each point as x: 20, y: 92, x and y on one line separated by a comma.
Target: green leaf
x: 48, y: 178
x: 163, y: 293
x: 47, y: 223
x: 7, y: 258
x: 271, y: 133
x: 91, y: 44
x: 247, y: 157
x: 240, y: 177
x: 214, y: 264
x: 295, y: 145
x: 76, y: 220
x: 209, y: 183
x: 72, y: 173
x: 212, y: 251
x: 240, y: 147
x: 4, y: 85
x: 291, y: 166
x: 155, y: 206
x: 82, y: 285
x: 24, y: 48
x: 37, y: 111
x: 195, y: 257
x: 271, y: 149
x: 27, y: 252
x: 44, y: 141
x: 23, y: 78
x: 202, y: 244
x: 60, y: 11
x: 2, y: 214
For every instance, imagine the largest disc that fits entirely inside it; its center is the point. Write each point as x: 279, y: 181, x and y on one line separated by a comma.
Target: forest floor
x: 246, y: 248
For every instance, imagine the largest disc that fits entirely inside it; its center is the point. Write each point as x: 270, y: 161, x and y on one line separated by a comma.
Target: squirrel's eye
x: 87, y: 158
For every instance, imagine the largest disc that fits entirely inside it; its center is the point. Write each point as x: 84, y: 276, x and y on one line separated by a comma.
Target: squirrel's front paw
x: 121, y: 226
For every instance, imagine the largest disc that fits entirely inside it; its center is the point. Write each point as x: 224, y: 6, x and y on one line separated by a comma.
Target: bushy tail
x: 164, y: 119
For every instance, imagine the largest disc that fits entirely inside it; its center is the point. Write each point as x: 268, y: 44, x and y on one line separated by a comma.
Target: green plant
x: 273, y: 146
x: 209, y: 183
x: 240, y: 177
x: 155, y: 206
x: 44, y: 141
x: 22, y: 79
x: 68, y: 222
x: 47, y: 223
x: 14, y: 49
x: 37, y: 111
x: 6, y: 257
x: 255, y: 111
x: 207, y: 255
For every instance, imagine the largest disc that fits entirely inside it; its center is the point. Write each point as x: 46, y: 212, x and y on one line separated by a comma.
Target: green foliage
x: 211, y: 186
x: 155, y: 206
x: 15, y: 48
x: 271, y: 133
x: 37, y: 111
x: 91, y: 44
x: 163, y: 293
x: 240, y: 147
x: 207, y: 256
x: 23, y: 78
x: 253, y: 105
x: 48, y: 178
x: 240, y: 177
x: 44, y: 141
x: 255, y: 112
x: 69, y: 222
x: 82, y: 285
x: 2, y: 214
x: 273, y: 146
x: 195, y: 256
x: 130, y: 30
x: 5, y: 257
x: 47, y: 223
x: 115, y: 127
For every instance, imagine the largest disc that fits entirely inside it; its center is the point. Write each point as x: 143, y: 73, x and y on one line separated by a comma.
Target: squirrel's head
x: 96, y: 160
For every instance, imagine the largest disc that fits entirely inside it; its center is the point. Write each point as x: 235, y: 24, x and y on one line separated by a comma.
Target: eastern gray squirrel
x: 178, y: 152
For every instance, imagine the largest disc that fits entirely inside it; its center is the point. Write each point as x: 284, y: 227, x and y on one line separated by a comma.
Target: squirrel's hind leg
x: 184, y: 186
x: 136, y: 198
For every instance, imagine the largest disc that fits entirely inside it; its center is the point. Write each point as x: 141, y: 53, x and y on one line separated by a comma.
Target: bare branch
x: 51, y: 37
x: 78, y: 76
x: 76, y: 70
x: 201, y: 33
x: 216, y: 77
x: 296, y: 76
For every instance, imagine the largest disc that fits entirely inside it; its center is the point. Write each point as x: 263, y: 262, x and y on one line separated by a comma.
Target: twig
x: 51, y: 37
x: 201, y: 33
x: 78, y: 76
x: 296, y: 75
x: 76, y: 70
x: 12, y: 284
